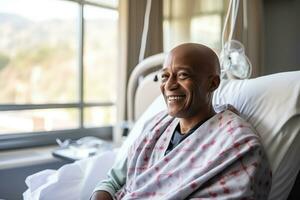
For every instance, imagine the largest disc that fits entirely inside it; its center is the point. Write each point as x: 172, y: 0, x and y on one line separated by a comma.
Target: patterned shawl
x: 222, y: 159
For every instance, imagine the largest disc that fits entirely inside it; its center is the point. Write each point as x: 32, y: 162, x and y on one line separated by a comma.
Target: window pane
x: 207, y: 30
x: 101, y: 54
x: 38, y: 51
x: 208, y: 6
x: 199, y: 21
x: 99, y: 116
x: 38, y: 120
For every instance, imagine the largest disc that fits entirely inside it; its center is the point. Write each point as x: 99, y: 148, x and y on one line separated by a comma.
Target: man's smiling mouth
x: 175, y: 97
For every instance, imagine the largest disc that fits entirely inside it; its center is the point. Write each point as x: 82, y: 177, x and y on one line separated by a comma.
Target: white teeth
x: 175, y: 98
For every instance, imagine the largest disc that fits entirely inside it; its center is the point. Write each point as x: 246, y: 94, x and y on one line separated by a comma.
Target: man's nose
x: 172, y: 83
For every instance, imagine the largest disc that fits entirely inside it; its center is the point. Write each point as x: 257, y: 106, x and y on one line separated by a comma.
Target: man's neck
x: 186, y: 124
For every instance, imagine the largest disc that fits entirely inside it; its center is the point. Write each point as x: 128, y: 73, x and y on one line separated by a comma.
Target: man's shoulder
x: 237, y: 124
x: 232, y: 117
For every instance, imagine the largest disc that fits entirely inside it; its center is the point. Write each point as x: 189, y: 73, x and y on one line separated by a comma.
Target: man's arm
x: 101, y: 195
x: 107, y: 188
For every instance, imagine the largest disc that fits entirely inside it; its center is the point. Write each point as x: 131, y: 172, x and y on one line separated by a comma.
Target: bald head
x: 198, y: 56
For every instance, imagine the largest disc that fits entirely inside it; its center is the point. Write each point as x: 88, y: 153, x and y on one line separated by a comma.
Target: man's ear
x: 214, y: 83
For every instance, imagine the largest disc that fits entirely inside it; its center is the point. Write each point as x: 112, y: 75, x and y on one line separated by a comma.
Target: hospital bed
x: 271, y: 103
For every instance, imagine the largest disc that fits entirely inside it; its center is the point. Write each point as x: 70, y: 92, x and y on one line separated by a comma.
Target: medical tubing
x: 145, y: 31
x: 233, y: 8
x: 225, y: 23
x: 234, y: 14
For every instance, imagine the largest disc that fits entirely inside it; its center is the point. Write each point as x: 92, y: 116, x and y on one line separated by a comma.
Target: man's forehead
x: 198, y: 57
x: 180, y: 61
x: 177, y: 68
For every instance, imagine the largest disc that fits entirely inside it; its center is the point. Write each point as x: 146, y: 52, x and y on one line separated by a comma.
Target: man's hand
x: 101, y: 195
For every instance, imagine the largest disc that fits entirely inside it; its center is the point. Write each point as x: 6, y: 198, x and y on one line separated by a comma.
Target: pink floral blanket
x: 222, y: 159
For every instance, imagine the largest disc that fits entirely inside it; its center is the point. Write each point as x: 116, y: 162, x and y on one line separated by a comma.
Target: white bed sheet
x: 74, y: 181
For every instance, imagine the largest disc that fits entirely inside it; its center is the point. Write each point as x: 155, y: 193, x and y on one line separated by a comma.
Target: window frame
x: 40, y: 138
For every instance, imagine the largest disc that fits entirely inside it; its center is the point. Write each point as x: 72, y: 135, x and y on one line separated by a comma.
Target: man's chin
x: 174, y: 113
x: 171, y: 113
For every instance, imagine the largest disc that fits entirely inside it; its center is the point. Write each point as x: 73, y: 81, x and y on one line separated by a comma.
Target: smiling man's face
x: 185, y: 83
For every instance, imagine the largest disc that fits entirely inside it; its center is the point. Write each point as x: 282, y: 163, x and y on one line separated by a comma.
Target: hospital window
x: 58, y: 62
x: 199, y: 21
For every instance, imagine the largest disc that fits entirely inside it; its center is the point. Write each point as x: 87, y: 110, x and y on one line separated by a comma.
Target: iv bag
x: 234, y: 61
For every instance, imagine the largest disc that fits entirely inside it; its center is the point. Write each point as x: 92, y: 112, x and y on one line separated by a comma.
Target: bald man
x: 190, y: 151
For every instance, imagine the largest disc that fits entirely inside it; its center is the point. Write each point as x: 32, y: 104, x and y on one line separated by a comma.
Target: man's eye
x: 164, y: 77
x: 183, y: 75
